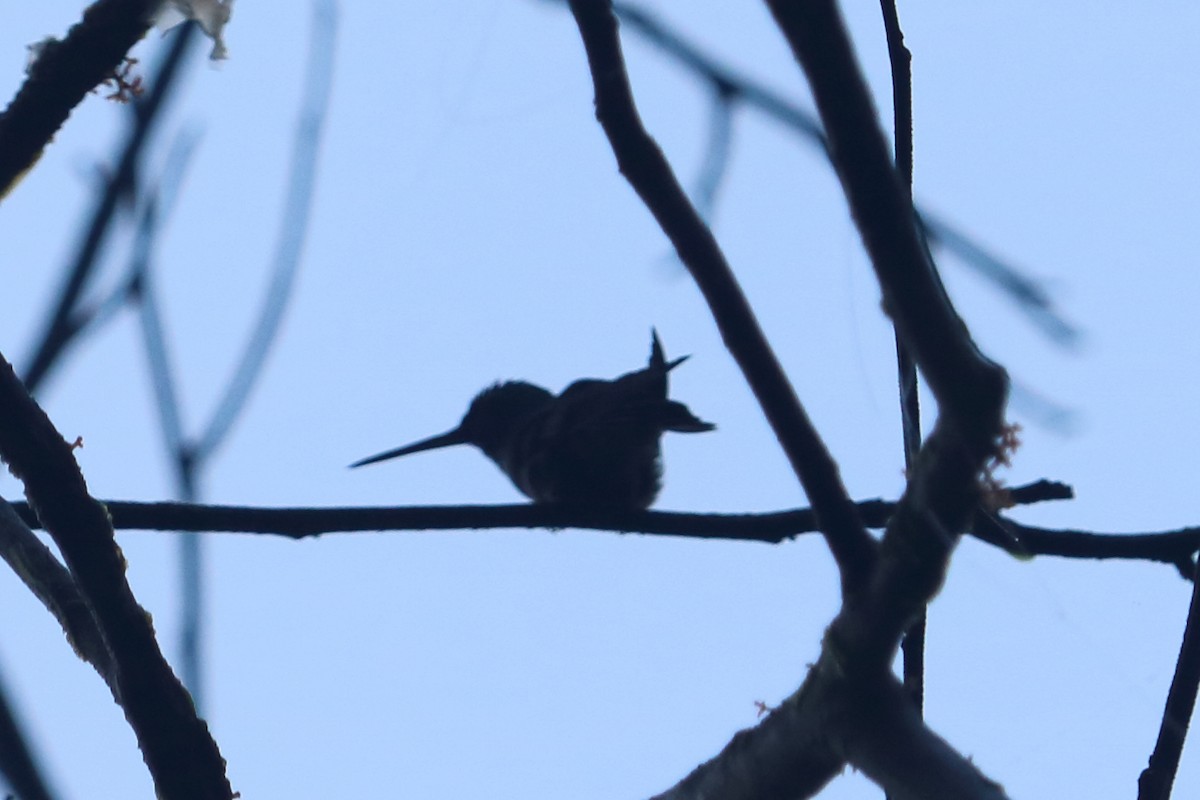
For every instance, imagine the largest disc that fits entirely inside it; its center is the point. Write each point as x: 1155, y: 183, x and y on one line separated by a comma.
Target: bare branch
x: 787, y: 755
x: 306, y: 146
x: 913, y: 644
x: 1030, y: 297
x: 176, y: 745
x: 1157, y: 779
x: 770, y: 528
x: 64, y: 324
x: 643, y: 164
x: 52, y: 584
x: 967, y: 384
x: 943, y: 486
x: 18, y: 765
x: 62, y: 75
x: 1175, y: 547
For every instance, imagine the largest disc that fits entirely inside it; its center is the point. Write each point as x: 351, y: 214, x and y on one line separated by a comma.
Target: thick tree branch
x: 643, y: 164
x: 883, y: 735
x: 181, y: 755
x: 52, y: 584
x: 787, y: 755
x: 943, y: 489
x: 966, y: 383
x: 65, y: 71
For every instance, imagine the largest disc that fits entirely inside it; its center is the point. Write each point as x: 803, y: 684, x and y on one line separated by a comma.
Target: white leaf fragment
x: 210, y: 14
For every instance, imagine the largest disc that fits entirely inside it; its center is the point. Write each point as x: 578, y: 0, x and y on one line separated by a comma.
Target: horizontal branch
x: 299, y: 523
x: 1175, y: 547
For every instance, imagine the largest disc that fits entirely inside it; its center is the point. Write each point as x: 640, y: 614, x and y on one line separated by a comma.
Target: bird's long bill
x: 447, y: 439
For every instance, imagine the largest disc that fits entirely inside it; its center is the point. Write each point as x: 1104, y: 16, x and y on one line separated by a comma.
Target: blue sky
x: 470, y: 226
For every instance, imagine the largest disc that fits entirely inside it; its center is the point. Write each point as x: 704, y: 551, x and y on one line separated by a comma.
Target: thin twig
x: 156, y: 207
x: 913, y: 645
x: 716, y: 155
x: 63, y: 325
x: 193, y: 456
x: 306, y: 146
x: 1157, y: 779
x: 1030, y: 297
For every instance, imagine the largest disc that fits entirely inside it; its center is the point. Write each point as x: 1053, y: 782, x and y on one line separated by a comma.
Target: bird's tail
x: 658, y: 359
x: 675, y: 416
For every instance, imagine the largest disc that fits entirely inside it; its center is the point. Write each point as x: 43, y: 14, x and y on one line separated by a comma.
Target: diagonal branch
x: 176, y: 745
x: 1030, y: 297
x: 644, y: 166
x: 65, y: 322
x: 854, y: 671
x: 64, y: 72
x: 52, y: 584
x: 966, y: 383
x: 294, y: 226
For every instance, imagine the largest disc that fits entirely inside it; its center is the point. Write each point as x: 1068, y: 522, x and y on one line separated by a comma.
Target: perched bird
x: 596, y: 444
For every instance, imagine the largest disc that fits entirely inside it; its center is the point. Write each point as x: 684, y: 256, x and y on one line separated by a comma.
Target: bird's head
x: 489, y: 421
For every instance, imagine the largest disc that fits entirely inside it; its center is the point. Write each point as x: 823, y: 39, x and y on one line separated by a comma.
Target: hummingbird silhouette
x: 596, y: 444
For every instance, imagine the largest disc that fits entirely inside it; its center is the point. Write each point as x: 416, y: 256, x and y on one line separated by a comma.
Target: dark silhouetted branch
x: 299, y: 523
x: 644, y: 166
x: 52, y: 584
x: 1174, y: 548
x: 967, y: 384
x: 182, y: 757
x: 62, y: 75
x: 943, y: 491
x: 1157, y: 779
x: 913, y: 645
x: 787, y: 755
